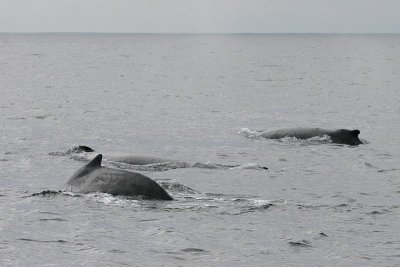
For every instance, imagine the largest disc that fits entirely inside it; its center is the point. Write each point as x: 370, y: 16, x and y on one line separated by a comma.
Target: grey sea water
x: 191, y: 98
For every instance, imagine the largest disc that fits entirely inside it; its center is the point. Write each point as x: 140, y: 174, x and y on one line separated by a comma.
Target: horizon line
x: 116, y: 32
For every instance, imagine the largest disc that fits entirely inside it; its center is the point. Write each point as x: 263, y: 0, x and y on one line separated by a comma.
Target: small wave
x: 388, y: 170
x: 42, y: 241
x: 166, y: 166
x: 177, y: 187
x: 41, y: 117
x: 194, y: 250
x: 254, y: 205
x: 300, y: 243
x: 46, y: 193
x: 250, y: 166
x: 52, y: 193
x: 53, y: 219
x: 379, y: 212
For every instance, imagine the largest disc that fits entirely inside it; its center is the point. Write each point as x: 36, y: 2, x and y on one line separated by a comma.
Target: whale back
x: 79, y: 149
x: 140, y: 160
x: 341, y: 136
x: 88, y: 168
x: 94, y: 178
x: 121, y: 182
x: 299, y: 133
x: 344, y: 136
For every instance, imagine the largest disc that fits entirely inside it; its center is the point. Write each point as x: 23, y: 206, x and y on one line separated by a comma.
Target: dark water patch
x: 343, y: 205
x: 47, y: 193
x: 271, y: 66
x: 370, y: 165
x: 3, y: 159
x: 322, y: 234
x: 36, y: 55
x: 148, y: 220
x: 388, y: 170
x: 264, y: 80
x: 194, y: 250
x: 302, y: 243
x: 53, y: 219
x: 41, y: 117
x: 378, y: 212
x: 310, y: 206
x: 118, y: 251
x: 262, y: 207
x: 49, y: 213
x: 42, y: 241
x: 52, y: 193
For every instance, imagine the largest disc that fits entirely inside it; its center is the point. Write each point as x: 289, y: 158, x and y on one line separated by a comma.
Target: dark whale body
x: 340, y: 136
x: 94, y: 178
x: 133, y: 160
x: 140, y: 160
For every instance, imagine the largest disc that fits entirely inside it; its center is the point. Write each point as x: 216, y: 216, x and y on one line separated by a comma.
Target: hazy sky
x: 382, y: 16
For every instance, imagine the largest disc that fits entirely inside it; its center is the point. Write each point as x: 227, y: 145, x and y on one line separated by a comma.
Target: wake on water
x: 162, y: 166
x: 185, y: 199
x: 255, y: 135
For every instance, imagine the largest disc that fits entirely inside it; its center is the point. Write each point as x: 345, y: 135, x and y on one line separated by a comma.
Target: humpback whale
x: 94, y: 178
x: 146, y: 163
x: 340, y: 136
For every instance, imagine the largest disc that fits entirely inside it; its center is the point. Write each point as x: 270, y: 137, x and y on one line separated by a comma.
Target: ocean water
x: 191, y: 98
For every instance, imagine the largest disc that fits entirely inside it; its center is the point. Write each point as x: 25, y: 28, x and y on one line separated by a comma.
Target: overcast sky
x: 205, y: 16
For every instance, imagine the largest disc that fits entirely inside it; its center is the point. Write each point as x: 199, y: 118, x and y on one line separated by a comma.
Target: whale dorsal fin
x: 355, y: 133
x: 96, y: 162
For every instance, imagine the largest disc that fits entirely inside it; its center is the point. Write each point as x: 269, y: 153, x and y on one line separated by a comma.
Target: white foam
x: 261, y: 202
x: 249, y: 166
x: 111, y: 200
x: 248, y: 133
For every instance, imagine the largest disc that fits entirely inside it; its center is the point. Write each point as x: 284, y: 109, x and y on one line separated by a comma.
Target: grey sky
x: 381, y: 16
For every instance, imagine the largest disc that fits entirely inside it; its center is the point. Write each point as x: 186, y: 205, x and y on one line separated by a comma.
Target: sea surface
x: 191, y: 98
